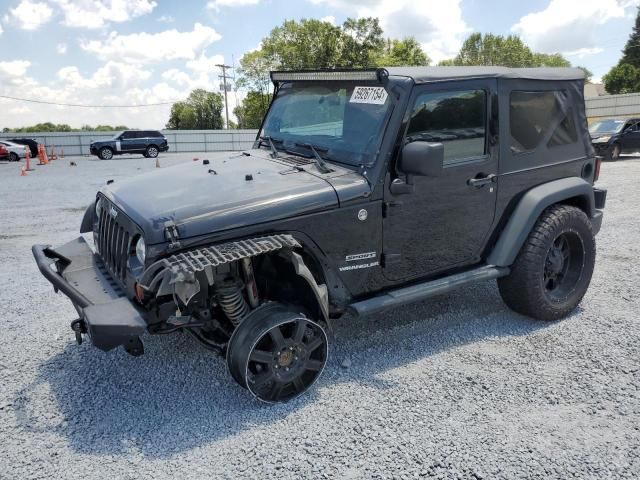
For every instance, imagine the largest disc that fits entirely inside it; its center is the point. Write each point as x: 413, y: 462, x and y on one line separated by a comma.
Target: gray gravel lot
x: 454, y: 387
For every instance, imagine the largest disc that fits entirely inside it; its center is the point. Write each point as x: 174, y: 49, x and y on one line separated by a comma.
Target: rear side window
x: 457, y: 119
x: 536, y: 116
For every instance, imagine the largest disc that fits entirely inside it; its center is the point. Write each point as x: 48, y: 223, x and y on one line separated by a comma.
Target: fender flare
x: 528, y: 210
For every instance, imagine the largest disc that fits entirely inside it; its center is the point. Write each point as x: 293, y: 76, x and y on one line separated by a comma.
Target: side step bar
x: 421, y: 291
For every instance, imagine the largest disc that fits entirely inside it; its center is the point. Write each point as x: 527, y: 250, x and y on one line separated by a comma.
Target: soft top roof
x: 433, y: 74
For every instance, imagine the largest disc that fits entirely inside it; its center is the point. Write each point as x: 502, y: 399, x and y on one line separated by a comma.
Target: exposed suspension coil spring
x: 232, y: 302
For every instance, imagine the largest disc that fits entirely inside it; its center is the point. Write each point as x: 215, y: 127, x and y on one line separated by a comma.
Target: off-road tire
x: 14, y: 157
x: 525, y: 290
x: 105, y: 153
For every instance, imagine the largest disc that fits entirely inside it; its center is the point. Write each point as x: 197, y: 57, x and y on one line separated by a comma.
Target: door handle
x: 481, y: 181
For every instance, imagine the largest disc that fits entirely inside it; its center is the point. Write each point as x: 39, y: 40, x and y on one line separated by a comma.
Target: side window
x: 457, y: 119
x: 128, y: 135
x: 533, y: 114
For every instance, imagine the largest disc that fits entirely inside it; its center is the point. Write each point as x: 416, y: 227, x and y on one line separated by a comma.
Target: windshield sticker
x: 370, y: 95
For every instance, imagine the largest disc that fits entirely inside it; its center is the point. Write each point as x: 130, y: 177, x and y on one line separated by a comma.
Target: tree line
x: 63, y: 127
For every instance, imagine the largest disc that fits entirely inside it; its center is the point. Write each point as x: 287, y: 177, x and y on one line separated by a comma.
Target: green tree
x: 314, y: 44
x: 251, y: 111
x: 361, y: 42
x: 588, y: 75
x: 509, y: 51
x: 302, y: 45
x: 623, y: 78
x: 202, y: 110
x: 631, y: 51
x: 402, y: 52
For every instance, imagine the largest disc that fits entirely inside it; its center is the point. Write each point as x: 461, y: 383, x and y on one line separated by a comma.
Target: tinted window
x: 128, y: 135
x: 533, y: 115
x: 154, y: 134
x: 455, y: 119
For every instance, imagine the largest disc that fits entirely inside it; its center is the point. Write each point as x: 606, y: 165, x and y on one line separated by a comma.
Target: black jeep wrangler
x: 147, y: 142
x: 364, y: 190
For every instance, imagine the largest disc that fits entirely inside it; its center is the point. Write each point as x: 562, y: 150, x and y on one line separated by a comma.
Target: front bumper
x: 106, y: 314
x: 601, y: 148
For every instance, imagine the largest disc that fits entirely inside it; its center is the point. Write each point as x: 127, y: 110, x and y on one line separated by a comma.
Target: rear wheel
x: 277, y: 353
x: 553, y: 269
x: 151, y: 152
x: 14, y: 157
x: 105, y: 153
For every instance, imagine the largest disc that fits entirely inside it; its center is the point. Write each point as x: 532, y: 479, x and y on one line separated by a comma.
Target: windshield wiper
x: 269, y: 140
x: 319, y: 161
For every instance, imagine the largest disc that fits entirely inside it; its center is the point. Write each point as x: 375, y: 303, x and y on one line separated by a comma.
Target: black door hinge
x: 387, y: 205
x: 389, y: 258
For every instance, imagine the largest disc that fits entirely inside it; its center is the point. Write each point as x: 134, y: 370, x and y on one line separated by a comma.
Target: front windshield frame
x: 365, y: 156
x: 596, y: 128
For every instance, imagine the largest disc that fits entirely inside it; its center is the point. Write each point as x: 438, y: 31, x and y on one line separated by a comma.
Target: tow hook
x: 79, y: 327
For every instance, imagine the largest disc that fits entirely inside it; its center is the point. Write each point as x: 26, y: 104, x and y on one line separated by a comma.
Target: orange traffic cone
x: 61, y: 151
x: 53, y: 155
x: 27, y: 160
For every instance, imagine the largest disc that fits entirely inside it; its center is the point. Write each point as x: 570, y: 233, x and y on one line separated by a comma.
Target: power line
x: 31, y: 100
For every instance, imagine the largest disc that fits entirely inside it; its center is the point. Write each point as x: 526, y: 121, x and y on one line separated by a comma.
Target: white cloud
x: 14, y: 68
x: 583, y: 52
x: 153, y: 47
x: 1, y: 30
x: 165, y: 19
x: 29, y: 15
x: 568, y: 25
x: 112, y: 75
x: 61, y: 48
x: 329, y: 19
x: 96, y: 13
x: 437, y: 25
x: 204, y: 64
x: 216, y: 4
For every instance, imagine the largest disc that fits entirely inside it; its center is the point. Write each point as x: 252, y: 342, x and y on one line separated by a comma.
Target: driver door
x: 443, y: 223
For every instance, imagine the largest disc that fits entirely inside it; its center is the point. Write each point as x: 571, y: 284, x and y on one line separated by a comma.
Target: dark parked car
x: 147, y: 142
x: 29, y: 142
x: 345, y: 204
x: 613, y: 137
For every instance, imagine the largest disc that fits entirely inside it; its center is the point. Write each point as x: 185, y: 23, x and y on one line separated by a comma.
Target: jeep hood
x: 229, y: 193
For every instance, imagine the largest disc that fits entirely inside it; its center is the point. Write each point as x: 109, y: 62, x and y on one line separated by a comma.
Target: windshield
x: 607, y: 126
x: 343, y: 120
x: 115, y: 137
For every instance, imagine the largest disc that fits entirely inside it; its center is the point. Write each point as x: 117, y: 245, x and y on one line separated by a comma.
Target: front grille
x: 114, y: 239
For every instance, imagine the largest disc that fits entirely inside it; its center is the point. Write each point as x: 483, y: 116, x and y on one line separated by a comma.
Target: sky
x: 139, y: 52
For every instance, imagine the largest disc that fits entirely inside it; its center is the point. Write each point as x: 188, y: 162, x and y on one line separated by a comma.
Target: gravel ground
x: 454, y: 387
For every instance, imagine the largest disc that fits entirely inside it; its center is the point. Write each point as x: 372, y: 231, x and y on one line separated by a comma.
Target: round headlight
x: 99, y: 207
x: 141, y: 250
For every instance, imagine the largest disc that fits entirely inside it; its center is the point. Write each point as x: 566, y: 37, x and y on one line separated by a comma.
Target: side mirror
x: 418, y: 158
x: 422, y: 158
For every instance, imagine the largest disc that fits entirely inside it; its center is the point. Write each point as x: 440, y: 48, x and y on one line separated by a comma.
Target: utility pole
x: 224, y: 83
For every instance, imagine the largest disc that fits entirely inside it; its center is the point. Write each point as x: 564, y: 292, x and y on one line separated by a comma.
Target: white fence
x: 77, y: 143
x: 621, y: 106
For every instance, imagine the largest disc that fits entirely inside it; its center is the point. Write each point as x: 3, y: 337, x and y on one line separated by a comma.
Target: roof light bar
x: 356, y: 75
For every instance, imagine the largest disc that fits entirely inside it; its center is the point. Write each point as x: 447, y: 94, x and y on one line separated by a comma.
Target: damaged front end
x: 206, y: 291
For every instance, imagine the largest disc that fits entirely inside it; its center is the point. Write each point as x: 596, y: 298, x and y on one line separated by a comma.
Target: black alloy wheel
x: 277, y: 353
x: 563, y: 266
